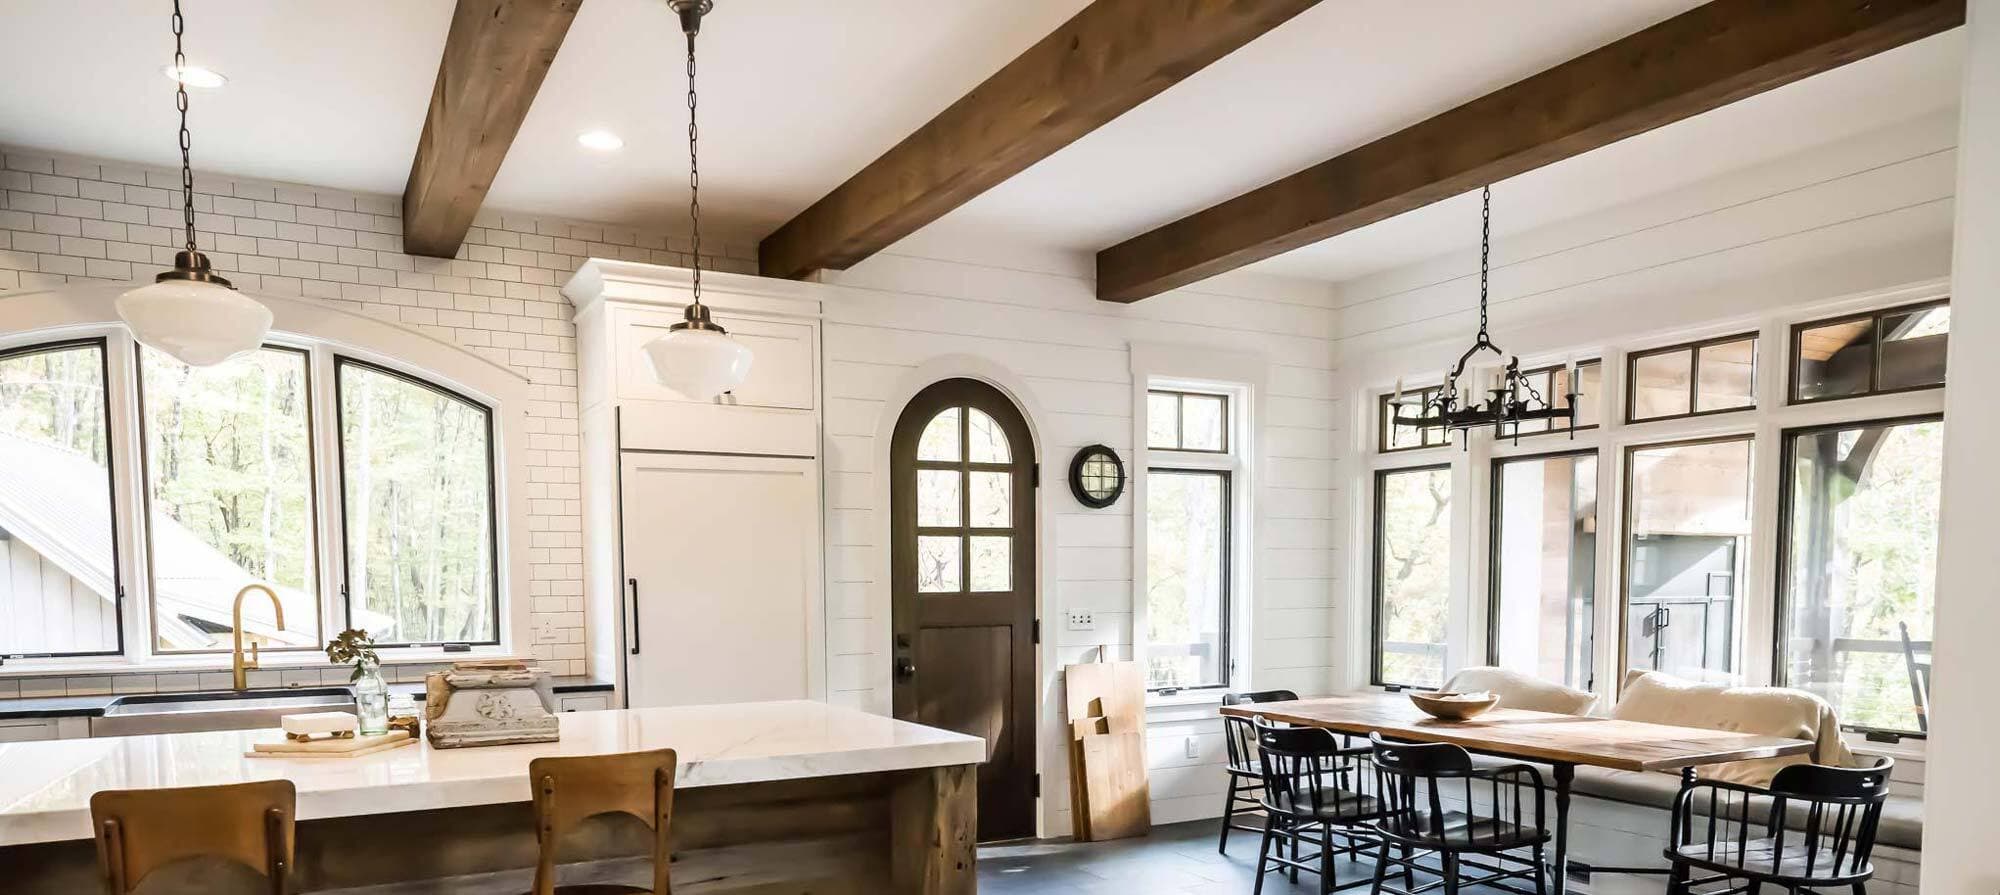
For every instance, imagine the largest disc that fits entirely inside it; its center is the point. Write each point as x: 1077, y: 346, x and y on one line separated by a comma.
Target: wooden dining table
x: 1560, y: 741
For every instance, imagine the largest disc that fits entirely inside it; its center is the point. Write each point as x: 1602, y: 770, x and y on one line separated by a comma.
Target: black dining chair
x: 1315, y: 794
x: 1239, y: 739
x: 1813, y: 828
x: 1438, y: 801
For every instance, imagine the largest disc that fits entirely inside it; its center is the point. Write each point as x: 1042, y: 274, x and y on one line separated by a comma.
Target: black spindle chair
x: 1440, y: 801
x: 1239, y: 737
x: 1315, y: 794
x: 1813, y: 828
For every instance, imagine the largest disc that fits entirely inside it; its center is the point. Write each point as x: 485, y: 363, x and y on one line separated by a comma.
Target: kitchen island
x: 772, y: 797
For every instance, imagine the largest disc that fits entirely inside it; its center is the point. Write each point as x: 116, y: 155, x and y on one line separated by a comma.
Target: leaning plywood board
x: 1109, y: 794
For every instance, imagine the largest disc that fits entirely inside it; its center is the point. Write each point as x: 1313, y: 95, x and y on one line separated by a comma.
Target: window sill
x: 310, y: 659
x: 1207, y: 696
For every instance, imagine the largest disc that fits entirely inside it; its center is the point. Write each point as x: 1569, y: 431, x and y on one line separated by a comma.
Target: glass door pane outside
x: 1687, y: 537
x: 1544, y: 566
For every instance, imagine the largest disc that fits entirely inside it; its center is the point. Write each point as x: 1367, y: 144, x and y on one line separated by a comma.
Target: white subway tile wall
x: 65, y: 218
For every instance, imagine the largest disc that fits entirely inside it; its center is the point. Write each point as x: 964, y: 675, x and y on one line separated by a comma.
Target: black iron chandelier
x: 1510, y: 402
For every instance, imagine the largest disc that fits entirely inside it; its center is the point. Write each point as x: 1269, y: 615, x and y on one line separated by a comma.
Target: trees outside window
x: 416, y: 463
x: 1412, y: 574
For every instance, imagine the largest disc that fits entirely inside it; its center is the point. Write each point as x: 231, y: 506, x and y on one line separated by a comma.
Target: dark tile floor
x: 1175, y: 860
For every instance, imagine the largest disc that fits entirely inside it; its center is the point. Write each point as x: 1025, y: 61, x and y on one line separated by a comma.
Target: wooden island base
x: 904, y: 832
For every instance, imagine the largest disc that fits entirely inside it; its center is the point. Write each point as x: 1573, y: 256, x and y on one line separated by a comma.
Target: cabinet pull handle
x: 633, y: 584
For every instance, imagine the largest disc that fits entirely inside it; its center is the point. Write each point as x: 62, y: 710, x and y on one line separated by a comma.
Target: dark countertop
x: 93, y: 706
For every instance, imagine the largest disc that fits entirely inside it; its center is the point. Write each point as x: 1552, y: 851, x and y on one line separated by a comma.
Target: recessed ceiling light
x: 194, y: 75
x: 602, y: 141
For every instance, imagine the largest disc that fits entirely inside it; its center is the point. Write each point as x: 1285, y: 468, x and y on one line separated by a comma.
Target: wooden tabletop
x: 1534, y: 736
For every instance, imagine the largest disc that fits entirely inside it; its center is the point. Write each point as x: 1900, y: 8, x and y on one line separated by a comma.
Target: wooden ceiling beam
x: 1110, y: 57
x: 1707, y: 57
x: 495, y: 57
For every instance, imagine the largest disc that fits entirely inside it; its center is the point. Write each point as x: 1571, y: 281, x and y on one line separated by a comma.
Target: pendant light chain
x: 187, y: 139
x: 1485, y: 249
x: 694, y: 167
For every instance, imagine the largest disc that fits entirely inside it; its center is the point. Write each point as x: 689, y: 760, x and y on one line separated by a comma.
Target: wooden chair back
x: 141, y: 830
x: 1309, y: 774
x: 569, y: 790
x: 1422, y: 785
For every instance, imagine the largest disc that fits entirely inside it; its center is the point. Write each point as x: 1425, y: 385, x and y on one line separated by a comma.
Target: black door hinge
x: 1038, y: 630
x: 1036, y: 476
x: 1038, y: 784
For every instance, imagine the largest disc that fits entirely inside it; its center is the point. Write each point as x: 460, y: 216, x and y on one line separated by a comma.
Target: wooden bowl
x: 1447, y: 706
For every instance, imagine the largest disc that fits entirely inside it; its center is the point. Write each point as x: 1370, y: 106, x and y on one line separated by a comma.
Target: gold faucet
x: 237, y: 666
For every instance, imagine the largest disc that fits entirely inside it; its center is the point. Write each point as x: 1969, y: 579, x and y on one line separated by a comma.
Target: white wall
x: 1034, y: 322
x: 1959, y: 856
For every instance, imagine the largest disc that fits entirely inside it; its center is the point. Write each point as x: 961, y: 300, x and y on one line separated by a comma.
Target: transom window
x: 965, y: 504
x: 1693, y: 379
x: 1895, y: 350
x: 228, y: 491
x: 1187, y: 421
x: 1398, y: 437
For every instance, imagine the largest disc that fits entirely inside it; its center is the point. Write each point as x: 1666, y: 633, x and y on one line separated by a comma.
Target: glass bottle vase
x: 371, y: 699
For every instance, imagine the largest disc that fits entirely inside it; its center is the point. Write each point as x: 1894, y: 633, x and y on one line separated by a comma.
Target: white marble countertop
x: 45, y: 786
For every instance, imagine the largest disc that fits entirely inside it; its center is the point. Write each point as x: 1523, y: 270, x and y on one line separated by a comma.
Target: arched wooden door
x: 963, y: 523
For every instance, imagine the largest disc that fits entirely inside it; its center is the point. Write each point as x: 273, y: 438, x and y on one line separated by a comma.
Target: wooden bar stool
x: 570, y: 790
x: 141, y: 830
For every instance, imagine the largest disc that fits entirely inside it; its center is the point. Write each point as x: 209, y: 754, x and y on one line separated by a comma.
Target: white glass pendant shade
x: 698, y: 363
x: 197, y: 322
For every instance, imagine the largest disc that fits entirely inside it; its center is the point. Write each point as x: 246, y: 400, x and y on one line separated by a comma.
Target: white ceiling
x: 328, y: 93
x: 799, y: 94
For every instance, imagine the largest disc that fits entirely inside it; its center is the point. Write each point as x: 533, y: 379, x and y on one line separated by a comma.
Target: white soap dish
x: 302, y: 727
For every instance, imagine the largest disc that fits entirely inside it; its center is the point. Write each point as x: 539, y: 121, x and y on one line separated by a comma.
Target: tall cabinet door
x: 722, y: 579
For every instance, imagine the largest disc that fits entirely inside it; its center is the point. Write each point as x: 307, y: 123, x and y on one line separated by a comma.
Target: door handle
x: 905, y: 669
x: 633, y: 585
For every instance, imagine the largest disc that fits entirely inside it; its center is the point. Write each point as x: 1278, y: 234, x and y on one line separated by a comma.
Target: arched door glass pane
x: 965, y: 504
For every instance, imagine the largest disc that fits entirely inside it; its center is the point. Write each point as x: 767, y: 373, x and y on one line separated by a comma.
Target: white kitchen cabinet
x: 722, y: 579
x: 701, y: 532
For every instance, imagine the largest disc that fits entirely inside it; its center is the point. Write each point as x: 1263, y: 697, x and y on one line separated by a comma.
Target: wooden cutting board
x: 1110, y: 797
x: 332, y: 748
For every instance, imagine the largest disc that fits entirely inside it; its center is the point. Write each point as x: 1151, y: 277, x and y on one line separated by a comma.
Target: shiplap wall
x: 1038, y: 319
x: 42, y: 607
x: 67, y: 218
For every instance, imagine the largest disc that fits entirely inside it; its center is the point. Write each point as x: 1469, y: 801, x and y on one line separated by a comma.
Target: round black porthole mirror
x: 1097, y: 476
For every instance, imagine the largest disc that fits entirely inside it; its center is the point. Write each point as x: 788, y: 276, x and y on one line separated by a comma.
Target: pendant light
x: 191, y: 312
x: 696, y: 357
x: 1512, y: 401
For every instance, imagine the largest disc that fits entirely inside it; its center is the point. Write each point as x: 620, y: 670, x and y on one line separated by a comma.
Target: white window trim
x: 87, y: 311
x: 1241, y: 377
x: 1756, y: 649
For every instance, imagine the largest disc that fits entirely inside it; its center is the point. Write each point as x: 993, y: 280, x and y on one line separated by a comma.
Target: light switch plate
x: 1191, y: 747
x: 1082, y: 620
x: 545, y: 632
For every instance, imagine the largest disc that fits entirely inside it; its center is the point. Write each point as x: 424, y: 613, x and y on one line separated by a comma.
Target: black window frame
x: 103, y: 346
x: 1694, y: 350
x: 1780, y: 603
x: 145, y: 484
x: 1385, y: 425
x: 1225, y: 657
x: 1874, y: 318
x: 1493, y: 551
x: 1375, y: 571
x: 1180, y: 397
x: 492, y: 498
x: 1625, y: 539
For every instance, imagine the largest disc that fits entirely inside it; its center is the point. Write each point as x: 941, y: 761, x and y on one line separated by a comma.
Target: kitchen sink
x: 220, y: 710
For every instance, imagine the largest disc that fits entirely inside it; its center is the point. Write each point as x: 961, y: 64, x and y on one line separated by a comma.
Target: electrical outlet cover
x: 1082, y: 620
